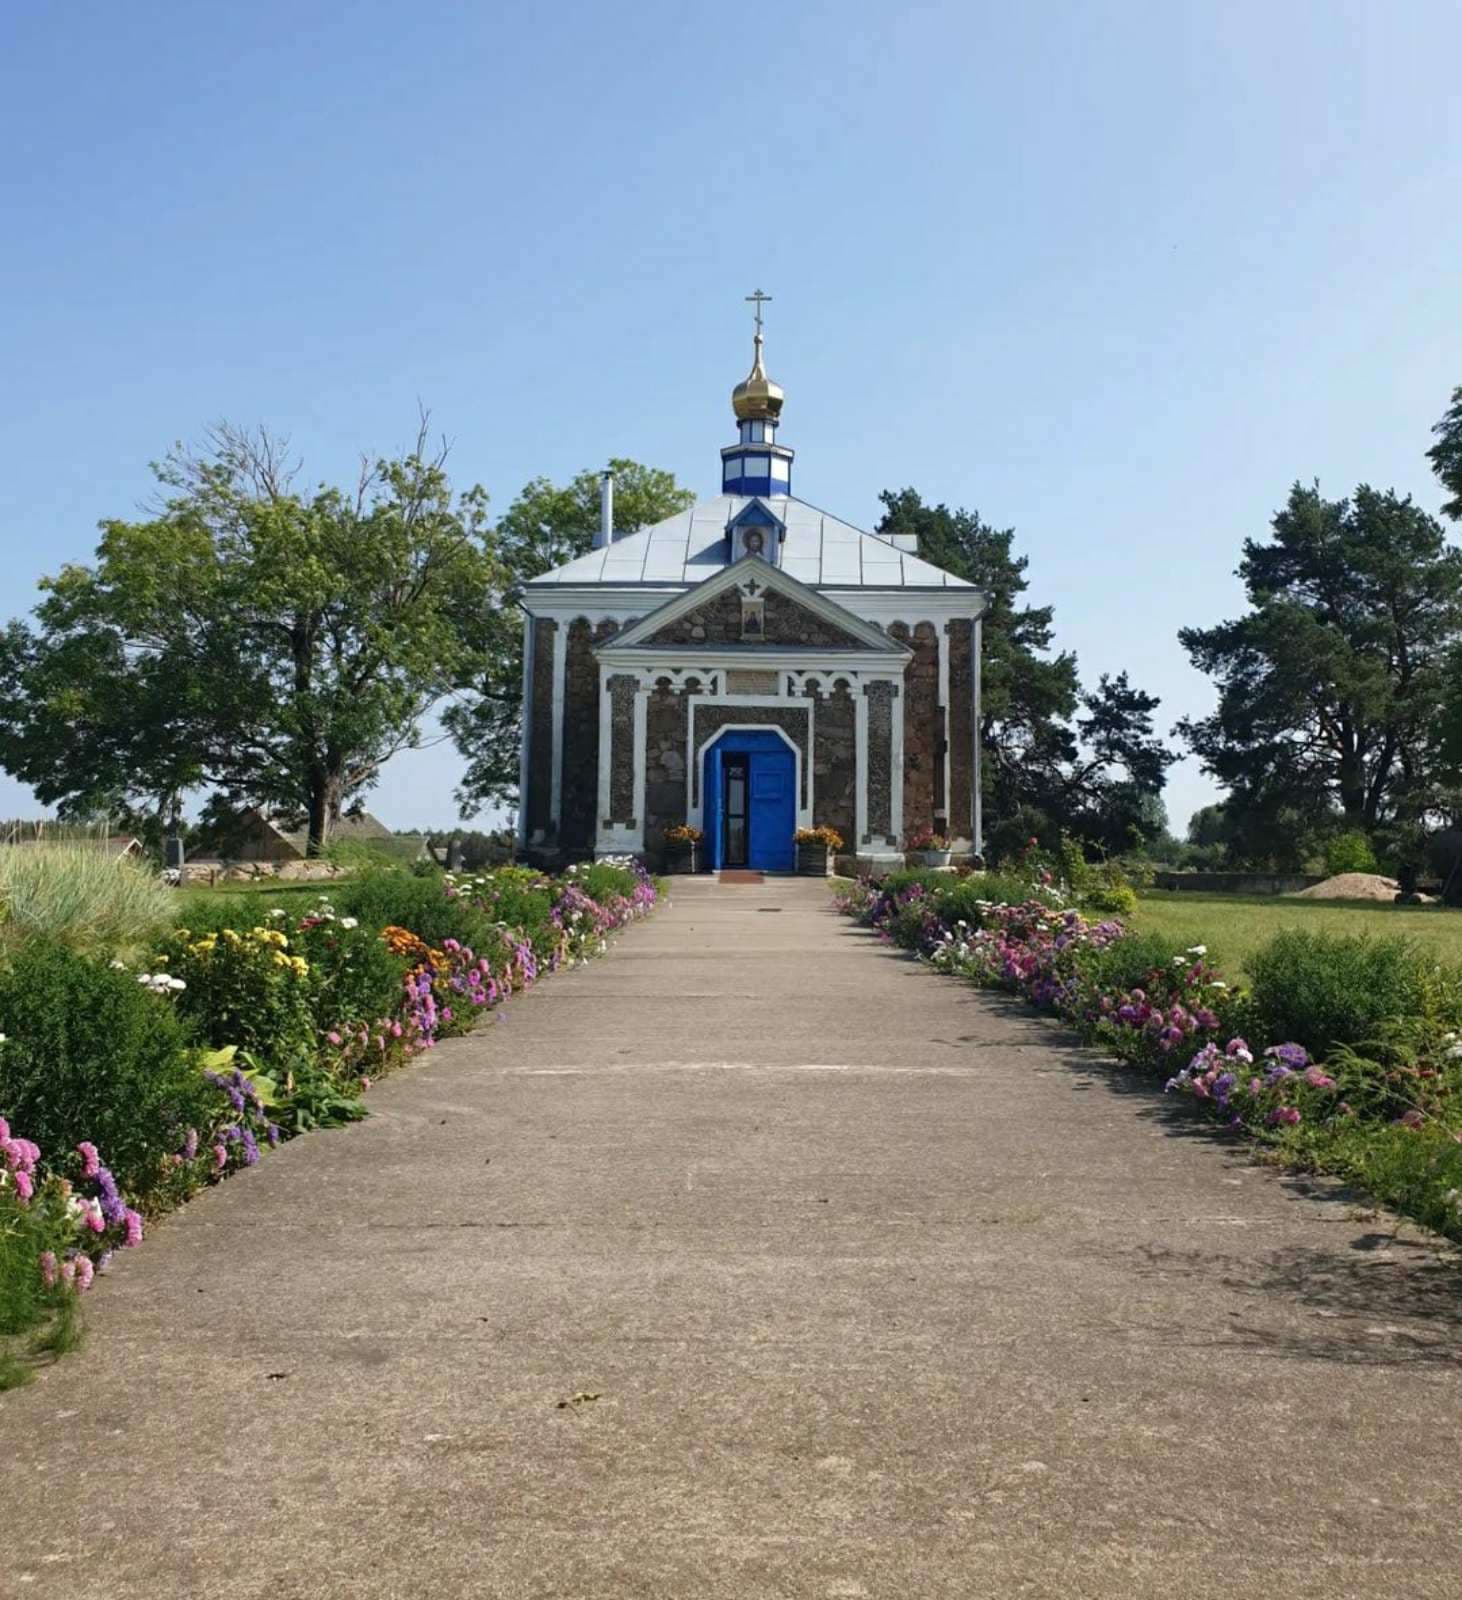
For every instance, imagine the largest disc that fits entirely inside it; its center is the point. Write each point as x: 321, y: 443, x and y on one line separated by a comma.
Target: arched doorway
x: 749, y: 780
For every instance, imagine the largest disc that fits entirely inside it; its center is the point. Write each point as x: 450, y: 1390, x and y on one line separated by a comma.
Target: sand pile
x: 1351, y: 886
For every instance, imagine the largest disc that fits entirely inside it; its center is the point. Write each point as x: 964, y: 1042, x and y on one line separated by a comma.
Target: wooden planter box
x: 813, y: 860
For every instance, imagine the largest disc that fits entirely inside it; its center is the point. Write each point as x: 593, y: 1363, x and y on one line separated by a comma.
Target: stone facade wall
x: 923, y: 727
x: 580, y: 797
x: 961, y: 645
x: 716, y: 622
x: 622, y: 687
x: 791, y: 718
x: 789, y: 623
x: 835, y: 763
x: 784, y: 622
x: 666, y: 735
x: 540, y: 730
x: 880, y: 762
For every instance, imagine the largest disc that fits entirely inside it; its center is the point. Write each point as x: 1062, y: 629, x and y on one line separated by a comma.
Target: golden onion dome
x: 756, y: 397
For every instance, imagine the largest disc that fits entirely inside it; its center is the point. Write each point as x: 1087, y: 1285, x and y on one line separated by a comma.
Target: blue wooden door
x: 773, y: 811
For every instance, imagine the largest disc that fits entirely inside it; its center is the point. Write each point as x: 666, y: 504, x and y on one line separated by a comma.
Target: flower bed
x: 1345, y: 1056
x: 225, y: 1040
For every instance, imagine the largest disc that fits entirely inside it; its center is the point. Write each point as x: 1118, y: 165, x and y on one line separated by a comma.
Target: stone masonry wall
x: 786, y: 622
x: 666, y: 733
x: 540, y: 728
x: 835, y: 763
x: 961, y: 642
x: 923, y: 730
x: 578, y: 823
x: 880, y: 762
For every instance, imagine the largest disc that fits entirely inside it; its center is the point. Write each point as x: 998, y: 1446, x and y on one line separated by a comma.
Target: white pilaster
x: 525, y: 732
x: 942, y: 639
x: 602, y: 841
x: 896, y: 762
x: 560, y: 668
x: 979, y: 799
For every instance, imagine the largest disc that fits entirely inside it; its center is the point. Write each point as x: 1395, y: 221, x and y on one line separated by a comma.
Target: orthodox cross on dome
x: 756, y: 464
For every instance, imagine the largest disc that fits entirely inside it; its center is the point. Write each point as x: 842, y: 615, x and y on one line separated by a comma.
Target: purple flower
x: 190, y: 1144
x: 111, y: 1200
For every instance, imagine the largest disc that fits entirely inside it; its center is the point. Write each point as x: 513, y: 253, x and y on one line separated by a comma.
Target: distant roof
x: 820, y: 549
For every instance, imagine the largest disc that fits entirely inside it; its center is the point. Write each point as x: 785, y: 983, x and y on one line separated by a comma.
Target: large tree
x: 1446, y: 455
x: 1330, y: 685
x: 547, y: 525
x: 275, y: 645
x: 1052, y: 756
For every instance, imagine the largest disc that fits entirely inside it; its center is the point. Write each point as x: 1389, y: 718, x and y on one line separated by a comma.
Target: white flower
x: 1197, y: 949
x: 1454, y: 1051
x: 277, y: 911
x: 1180, y: 961
x: 1218, y: 983
x: 118, y: 966
x: 350, y: 922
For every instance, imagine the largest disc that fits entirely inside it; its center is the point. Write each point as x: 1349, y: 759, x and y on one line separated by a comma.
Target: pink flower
x: 1287, y: 1115
x: 395, y: 1030
x: 48, y: 1269
x: 1411, y: 1119
x: 91, y: 1157
x: 24, y: 1186
x: 333, y: 1037
x: 134, y: 1229
x: 220, y: 1158
x: 91, y: 1216
x: 85, y: 1272
x: 365, y: 1083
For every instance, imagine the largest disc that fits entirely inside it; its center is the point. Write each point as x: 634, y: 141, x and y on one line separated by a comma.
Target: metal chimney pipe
x: 606, y: 509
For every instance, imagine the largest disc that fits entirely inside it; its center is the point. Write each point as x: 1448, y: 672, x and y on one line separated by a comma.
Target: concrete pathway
x: 754, y: 1261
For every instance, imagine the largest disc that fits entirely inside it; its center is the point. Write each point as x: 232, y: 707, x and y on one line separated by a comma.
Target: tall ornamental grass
x: 81, y: 897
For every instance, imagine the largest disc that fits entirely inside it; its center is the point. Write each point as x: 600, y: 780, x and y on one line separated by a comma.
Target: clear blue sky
x: 1113, y: 273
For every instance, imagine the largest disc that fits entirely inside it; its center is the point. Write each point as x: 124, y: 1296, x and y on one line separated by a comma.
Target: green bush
x: 353, y: 976
x: 248, y: 989
x: 1350, y: 852
x: 80, y: 896
x: 394, y: 898
x: 90, y: 1053
x: 1323, y: 990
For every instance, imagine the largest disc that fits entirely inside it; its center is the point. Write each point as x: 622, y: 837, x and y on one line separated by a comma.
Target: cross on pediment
x: 753, y: 588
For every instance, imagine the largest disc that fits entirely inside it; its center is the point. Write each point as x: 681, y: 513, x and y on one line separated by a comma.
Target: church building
x: 749, y: 666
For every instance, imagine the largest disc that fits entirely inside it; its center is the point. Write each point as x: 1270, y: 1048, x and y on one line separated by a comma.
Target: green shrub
x: 90, y: 1053
x: 393, y: 898
x: 80, y: 896
x: 248, y: 989
x: 1349, y: 852
x: 353, y: 976
x: 1323, y: 990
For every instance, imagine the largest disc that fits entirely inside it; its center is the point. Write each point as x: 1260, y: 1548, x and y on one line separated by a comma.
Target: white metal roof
x: 820, y: 549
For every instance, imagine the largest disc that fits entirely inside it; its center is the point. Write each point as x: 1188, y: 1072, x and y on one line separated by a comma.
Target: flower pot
x: 681, y: 858
x: 936, y: 858
x: 814, y: 860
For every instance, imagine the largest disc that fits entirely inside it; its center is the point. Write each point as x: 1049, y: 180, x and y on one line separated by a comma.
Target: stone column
x: 883, y: 772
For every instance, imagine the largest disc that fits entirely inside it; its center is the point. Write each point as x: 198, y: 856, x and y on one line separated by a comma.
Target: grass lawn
x: 294, y: 897
x: 1233, y: 926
